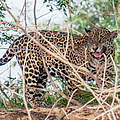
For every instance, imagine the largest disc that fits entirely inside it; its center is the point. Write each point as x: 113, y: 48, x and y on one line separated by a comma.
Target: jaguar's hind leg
x: 35, y: 79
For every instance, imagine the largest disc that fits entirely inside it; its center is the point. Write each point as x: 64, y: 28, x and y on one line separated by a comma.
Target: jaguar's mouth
x: 97, y: 54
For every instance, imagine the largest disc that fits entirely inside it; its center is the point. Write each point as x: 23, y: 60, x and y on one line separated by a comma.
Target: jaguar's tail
x: 7, y: 56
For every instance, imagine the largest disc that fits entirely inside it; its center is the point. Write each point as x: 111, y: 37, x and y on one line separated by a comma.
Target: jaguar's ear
x: 87, y: 31
x: 114, y: 34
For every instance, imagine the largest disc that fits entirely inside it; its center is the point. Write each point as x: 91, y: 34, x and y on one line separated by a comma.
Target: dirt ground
x: 71, y: 113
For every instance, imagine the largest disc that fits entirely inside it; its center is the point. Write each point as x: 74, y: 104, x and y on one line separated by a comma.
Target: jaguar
x: 55, y: 49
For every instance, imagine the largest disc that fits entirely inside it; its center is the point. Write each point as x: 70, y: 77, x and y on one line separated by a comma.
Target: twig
x: 116, y: 81
x: 22, y: 9
x: 103, y: 82
x: 52, y: 108
x: 115, y: 12
x: 25, y: 14
x: 107, y: 111
x: 65, y: 113
x: 35, y: 20
x: 68, y: 38
x: 69, y: 6
x: 49, y: 76
x: 71, y: 98
x: 45, y: 14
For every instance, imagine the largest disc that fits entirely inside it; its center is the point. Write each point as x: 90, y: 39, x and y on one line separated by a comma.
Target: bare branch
x: 25, y: 14
x: 49, y: 76
x: 35, y: 20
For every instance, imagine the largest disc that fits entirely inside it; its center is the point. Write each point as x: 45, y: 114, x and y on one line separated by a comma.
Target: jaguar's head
x: 100, y: 41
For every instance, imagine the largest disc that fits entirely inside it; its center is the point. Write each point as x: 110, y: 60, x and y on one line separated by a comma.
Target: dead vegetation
x: 71, y: 113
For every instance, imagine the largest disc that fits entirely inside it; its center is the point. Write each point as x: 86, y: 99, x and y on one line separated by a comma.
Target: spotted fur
x: 90, y: 47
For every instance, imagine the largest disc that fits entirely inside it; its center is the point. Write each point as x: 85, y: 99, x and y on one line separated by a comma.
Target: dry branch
x: 35, y: 20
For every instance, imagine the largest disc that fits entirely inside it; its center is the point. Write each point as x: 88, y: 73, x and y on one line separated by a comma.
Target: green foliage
x: 2, y: 10
x: 95, y: 13
x: 84, y: 97
x: 8, y: 99
x: 59, y: 4
x: 50, y: 99
x: 4, y: 35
